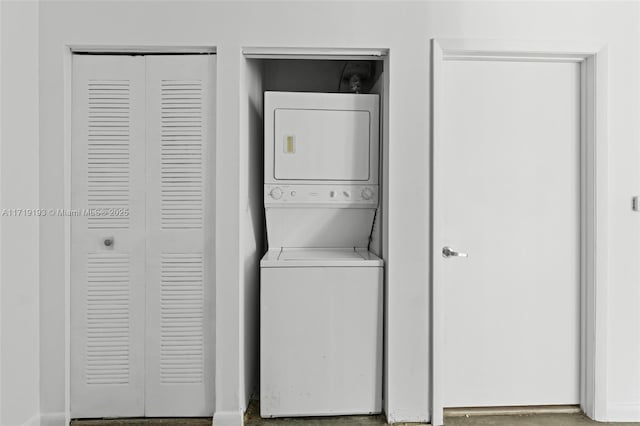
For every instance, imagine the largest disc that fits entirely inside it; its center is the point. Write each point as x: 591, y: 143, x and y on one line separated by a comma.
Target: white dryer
x: 321, y: 289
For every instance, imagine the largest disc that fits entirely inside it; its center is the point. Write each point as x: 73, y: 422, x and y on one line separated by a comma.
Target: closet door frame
x: 68, y: 51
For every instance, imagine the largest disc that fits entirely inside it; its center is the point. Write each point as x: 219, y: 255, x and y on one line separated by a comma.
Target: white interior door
x: 108, y: 281
x: 507, y: 193
x: 142, y: 267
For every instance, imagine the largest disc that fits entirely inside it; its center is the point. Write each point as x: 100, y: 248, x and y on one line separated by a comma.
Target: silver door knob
x: 449, y: 252
x: 108, y: 242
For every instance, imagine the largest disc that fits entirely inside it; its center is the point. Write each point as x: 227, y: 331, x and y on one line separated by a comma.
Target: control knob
x: 276, y: 193
x: 367, y: 194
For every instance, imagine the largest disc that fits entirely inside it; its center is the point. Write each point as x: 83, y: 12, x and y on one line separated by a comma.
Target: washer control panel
x: 321, y: 194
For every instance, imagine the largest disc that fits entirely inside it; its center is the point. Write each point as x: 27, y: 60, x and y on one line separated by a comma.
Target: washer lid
x: 319, y: 254
x: 320, y: 257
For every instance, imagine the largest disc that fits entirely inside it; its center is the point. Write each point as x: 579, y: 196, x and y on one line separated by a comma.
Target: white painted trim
x: 52, y: 419
x: 623, y: 412
x: 437, y: 314
x: 1, y: 204
x: 228, y: 418
x: 583, y: 227
x: 33, y: 421
x: 596, y: 280
x: 312, y: 53
x: 512, y: 411
x: 497, y: 57
x: 150, y: 49
x: 383, y: 180
x: 68, y: 84
x: 518, y: 48
x: 594, y: 196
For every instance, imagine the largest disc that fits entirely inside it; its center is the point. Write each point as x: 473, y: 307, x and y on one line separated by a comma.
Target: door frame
x: 592, y: 58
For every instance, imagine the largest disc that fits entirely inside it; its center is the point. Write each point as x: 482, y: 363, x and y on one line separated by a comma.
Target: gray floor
x: 529, y: 420
x: 524, y: 420
x: 252, y: 418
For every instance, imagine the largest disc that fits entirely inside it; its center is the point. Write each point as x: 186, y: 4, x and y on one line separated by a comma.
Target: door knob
x: 449, y: 252
x: 108, y: 242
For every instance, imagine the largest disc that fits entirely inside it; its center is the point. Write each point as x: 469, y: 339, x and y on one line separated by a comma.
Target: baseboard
x: 623, y: 413
x: 46, y: 419
x: 403, y: 417
x: 511, y: 410
x: 228, y: 418
x: 52, y: 419
x: 33, y: 421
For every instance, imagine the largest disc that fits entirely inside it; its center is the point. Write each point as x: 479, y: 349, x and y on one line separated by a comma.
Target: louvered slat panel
x: 107, y: 319
x: 181, y: 155
x: 108, y: 153
x: 182, y: 318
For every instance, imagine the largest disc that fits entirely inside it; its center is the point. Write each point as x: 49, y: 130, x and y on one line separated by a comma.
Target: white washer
x: 321, y: 290
x: 321, y: 332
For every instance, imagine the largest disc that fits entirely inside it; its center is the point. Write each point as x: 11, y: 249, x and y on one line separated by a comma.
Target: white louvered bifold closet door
x: 179, y: 341
x: 108, y: 282
x: 142, y: 311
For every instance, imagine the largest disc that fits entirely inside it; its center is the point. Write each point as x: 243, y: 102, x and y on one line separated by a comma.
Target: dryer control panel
x: 342, y: 195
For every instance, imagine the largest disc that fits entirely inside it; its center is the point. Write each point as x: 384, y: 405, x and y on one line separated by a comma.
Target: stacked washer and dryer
x: 321, y: 288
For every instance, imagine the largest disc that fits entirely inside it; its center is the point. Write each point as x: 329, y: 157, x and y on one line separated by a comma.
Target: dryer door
x: 322, y: 144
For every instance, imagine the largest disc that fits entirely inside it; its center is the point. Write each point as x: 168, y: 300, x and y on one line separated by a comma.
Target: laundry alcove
x: 295, y: 70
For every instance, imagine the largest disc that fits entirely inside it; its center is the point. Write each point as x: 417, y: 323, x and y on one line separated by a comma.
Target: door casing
x: 592, y: 59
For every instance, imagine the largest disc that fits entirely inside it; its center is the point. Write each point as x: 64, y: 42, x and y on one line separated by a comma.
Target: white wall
x: 404, y: 28
x: 19, y: 347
